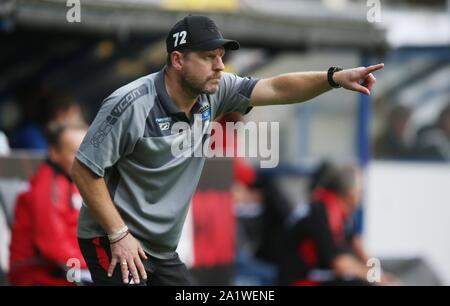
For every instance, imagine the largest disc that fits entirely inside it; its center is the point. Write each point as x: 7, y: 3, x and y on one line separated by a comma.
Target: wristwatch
x: 330, y: 74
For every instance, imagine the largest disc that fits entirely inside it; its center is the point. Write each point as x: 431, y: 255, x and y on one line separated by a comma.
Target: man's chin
x: 211, y: 90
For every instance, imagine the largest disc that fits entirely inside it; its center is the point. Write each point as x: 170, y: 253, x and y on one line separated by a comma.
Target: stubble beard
x: 195, y: 86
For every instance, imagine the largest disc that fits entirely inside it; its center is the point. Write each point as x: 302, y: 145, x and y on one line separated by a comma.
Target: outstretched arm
x: 302, y: 86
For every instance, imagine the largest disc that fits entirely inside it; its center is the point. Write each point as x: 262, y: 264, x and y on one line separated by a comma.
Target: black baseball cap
x: 197, y: 33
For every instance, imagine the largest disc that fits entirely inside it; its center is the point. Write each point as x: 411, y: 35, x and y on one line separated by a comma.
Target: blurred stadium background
x: 404, y: 219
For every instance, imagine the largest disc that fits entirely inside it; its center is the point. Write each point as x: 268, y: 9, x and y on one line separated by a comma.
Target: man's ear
x: 177, y: 60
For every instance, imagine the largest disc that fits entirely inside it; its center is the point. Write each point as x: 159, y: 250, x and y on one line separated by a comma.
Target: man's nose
x: 218, y: 64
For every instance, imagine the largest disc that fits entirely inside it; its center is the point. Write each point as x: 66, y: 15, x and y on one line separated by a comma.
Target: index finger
x: 112, y: 265
x: 373, y: 68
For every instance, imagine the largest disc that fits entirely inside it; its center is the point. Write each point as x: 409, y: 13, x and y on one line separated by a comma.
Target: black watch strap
x: 330, y: 74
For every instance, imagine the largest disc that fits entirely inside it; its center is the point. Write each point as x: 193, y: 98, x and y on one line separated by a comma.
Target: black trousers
x: 160, y: 272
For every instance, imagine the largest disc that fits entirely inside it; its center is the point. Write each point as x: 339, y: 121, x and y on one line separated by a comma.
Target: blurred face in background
x: 354, y: 195
x: 401, y: 124
x: 64, y: 153
x: 243, y: 195
x: 70, y: 116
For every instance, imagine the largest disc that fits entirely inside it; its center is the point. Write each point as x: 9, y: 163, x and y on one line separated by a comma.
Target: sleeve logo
x: 116, y: 113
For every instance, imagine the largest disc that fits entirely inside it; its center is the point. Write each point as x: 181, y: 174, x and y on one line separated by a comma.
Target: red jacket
x: 44, y: 230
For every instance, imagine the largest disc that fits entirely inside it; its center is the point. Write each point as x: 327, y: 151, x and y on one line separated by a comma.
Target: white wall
x: 407, y: 213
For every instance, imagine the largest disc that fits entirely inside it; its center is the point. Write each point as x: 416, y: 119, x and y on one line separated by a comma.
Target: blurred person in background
x: 43, y: 235
x: 40, y: 107
x: 392, y: 143
x: 317, y: 181
x: 433, y: 142
x: 261, y: 211
x: 4, y: 145
x: 320, y: 248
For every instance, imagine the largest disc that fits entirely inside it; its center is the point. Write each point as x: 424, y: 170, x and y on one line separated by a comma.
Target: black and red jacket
x: 315, y: 239
x: 44, y: 231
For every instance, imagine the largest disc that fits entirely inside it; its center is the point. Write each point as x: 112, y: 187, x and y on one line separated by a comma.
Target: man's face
x: 355, y: 194
x: 201, y: 70
x: 64, y: 155
x: 72, y: 115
